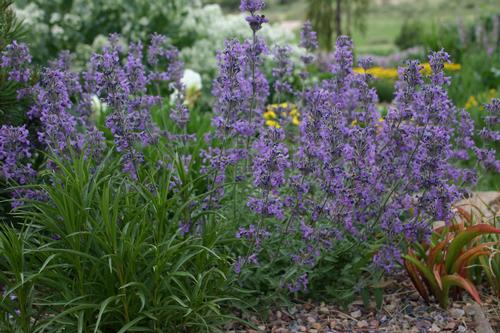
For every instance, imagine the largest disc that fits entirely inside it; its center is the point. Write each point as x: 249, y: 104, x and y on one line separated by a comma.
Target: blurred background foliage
x: 389, y: 31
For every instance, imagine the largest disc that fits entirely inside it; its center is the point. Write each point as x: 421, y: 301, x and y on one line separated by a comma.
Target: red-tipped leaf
x: 436, y: 270
x: 416, y: 280
x: 435, y: 251
x: 458, y: 281
x: 470, y: 254
x: 463, y: 238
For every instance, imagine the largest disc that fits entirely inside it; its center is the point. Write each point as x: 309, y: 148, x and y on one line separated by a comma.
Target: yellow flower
x: 275, y: 112
x: 354, y: 122
x: 379, y: 72
x: 392, y: 73
x: 471, y: 103
x: 453, y: 67
x: 272, y: 123
x: 269, y: 115
x: 492, y: 93
x: 294, y: 112
x: 426, y: 69
x: 381, y: 120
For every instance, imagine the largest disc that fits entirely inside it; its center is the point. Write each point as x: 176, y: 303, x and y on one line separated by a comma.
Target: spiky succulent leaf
x: 463, y: 238
x: 470, y: 254
x: 455, y: 280
x: 416, y: 279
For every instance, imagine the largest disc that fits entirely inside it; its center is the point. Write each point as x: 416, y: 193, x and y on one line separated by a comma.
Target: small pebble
x: 435, y: 328
x: 457, y: 313
x: 356, y: 314
x: 282, y: 330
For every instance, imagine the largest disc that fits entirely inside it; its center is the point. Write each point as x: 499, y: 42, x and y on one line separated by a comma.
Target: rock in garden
x: 356, y: 314
x: 457, y: 313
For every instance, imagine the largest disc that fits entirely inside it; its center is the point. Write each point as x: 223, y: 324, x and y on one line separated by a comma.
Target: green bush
x: 104, y: 254
x: 480, y: 72
x: 385, y: 90
x: 411, y: 35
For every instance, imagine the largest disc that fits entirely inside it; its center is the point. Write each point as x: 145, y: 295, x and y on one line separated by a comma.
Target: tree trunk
x: 338, y: 18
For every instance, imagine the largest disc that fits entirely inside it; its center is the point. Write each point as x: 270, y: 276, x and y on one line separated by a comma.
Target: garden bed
x: 402, y: 311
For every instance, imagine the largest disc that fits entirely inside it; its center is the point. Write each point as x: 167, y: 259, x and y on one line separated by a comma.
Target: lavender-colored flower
x: 254, y: 20
x: 15, y: 152
x: 21, y: 196
x: 124, y: 89
x: 17, y: 58
x: 300, y: 284
x: 242, y: 261
x: 232, y: 88
x: 252, y: 6
x: 388, y: 258
x: 283, y: 70
x: 270, y: 161
x: 308, y: 37
x: 343, y: 58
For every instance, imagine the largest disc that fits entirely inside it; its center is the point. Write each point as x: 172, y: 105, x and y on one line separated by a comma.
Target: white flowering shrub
x: 80, y: 25
x: 211, y: 28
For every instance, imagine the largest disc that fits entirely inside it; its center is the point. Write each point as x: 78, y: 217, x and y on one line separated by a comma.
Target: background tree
x: 339, y: 16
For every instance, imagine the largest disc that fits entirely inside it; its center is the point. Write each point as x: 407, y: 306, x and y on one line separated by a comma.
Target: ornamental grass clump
x: 291, y: 207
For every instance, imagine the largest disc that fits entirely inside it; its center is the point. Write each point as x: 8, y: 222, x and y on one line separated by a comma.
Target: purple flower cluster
x: 15, y: 166
x: 309, y: 41
x: 254, y: 20
x: 15, y: 152
x: 233, y: 91
x: 308, y: 37
x: 17, y: 58
x: 124, y: 88
x: 351, y: 173
x: 61, y: 105
x: 490, y: 134
x: 283, y: 70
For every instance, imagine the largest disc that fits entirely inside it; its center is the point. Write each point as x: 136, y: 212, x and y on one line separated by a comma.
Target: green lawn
x: 384, y: 22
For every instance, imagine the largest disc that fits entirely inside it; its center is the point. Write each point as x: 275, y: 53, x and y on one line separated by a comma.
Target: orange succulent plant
x: 436, y: 267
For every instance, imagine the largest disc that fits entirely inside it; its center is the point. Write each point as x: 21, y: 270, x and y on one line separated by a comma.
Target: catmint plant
x: 346, y: 174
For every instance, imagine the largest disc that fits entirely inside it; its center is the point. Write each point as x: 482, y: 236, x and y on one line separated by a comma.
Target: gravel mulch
x: 403, y: 311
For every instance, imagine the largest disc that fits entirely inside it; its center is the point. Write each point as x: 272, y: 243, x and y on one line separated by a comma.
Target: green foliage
x: 385, y: 90
x: 336, y: 16
x: 411, y: 35
x: 355, y: 276
x: 443, y: 36
x: 480, y: 72
x: 104, y: 254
